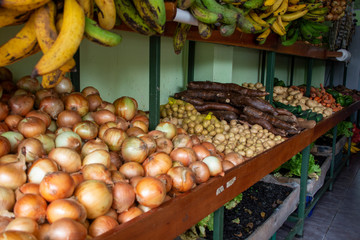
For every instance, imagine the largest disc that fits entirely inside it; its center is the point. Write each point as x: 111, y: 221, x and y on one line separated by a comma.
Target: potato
x: 262, y: 89
x: 303, y: 100
x: 258, y: 85
x: 292, y: 93
x: 318, y: 109
x: 279, y: 90
x: 311, y: 103
x: 290, y: 98
x: 298, y: 96
x: 251, y: 85
x: 245, y: 85
x: 328, y: 111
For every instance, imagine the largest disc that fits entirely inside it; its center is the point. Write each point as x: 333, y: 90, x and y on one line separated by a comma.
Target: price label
x: 230, y: 182
x: 220, y: 190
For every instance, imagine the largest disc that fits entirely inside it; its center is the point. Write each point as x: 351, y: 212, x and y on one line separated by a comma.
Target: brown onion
x: 166, y: 179
x: 69, y: 160
x: 43, y: 231
x: 141, y: 125
x: 21, y: 104
x: 93, y: 145
x: 195, y: 139
x: 201, y: 151
x: 61, y: 130
x: 214, y: 165
x: 134, y: 131
x: 157, y: 163
x: 67, y: 228
x: 29, y: 84
x: 20, y: 92
x: 98, y: 156
x: 122, y: 123
x: 7, y: 199
x: 40, y: 168
x: 42, y: 115
x: 101, y: 225
x: 56, y: 185
x: 17, y: 235
x: 125, y: 107
x: 150, y: 192
x: 12, y: 121
x: 32, y: 206
x: 4, y: 221
x: 134, y: 180
x: 210, y: 147
x: 3, y: 127
x: 142, y: 118
x: 5, y: 146
x: 12, y: 175
x: 8, y: 158
x: 227, y: 165
x: 31, y: 126
x: 182, y: 140
x: 181, y: 131
x: 96, y: 171
x: 86, y: 130
x: 168, y: 128
x: 95, y: 196
x: 115, y: 159
x: 23, y: 224
x: 235, y: 158
x: 5, y: 74
x: 129, y: 214
x: 124, y: 196
x: 134, y: 149
x: 8, y: 86
x: 104, y: 127
x: 164, y: 145
x: 185, y: 155
x: 77, y: 177
x: 64, y: 86
x: 103, y: 116
x: 31, y: 148
x: 201, y: 171
x: 117, y: 176
x: 30, y: 188
x: 65, y: 208
x: 4, y: 111
x: 89, y: 91
x: 107, y: 106
x: 182, y: 177
x: 43, y: 93
x: 14, y: 138
x: 52, y: 106
x: 77, y: 102
x: 68, y: 118
x: 94, y: 101
x: 132, y: 169
x: 112, y: 213
x: 69, y: 139
x: 114, y: 138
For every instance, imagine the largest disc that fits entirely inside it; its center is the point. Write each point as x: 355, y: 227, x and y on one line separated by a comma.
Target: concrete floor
x: 337, y: 214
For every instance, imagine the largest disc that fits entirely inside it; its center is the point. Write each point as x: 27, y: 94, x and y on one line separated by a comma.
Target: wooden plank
x: 178, y: 214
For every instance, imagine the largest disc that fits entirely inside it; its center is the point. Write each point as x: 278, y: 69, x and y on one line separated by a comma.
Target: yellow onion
x: 182, y: 177
x: 98, y: 156
x: 134, y: 149
x: 125, y: 107
x: 101, y: 225
x: 93, y: 145
x: 95, y: 197
x: 103, y: 116
x: 86, y: 130
x: 150, y: 192
x: 114, y: 138
x: 214, y: 165
x: 32, y: 206
x: 40, y: 168
x: 130, y: 214
x: 104, y: 127
x: 7, y: 199
x: 23, y: 224
x: 185, y: 155
x: 12, y: 175
x: 65, y: 208
x: 31, y: 126
x: 67, y: 228
x: 164, y: 145
x: 168, y: 128
x: 77, y: 102
x: 157, y: 163
x: 182, y: 140
x: 47, y: 142
x: 17, y: 235
x: 150, y: 143
x: 31, y: 148
x: 132, y: 169
x: 124, y: 196
x: 5, y: 146
x: 96, y: 171
x: 69, y: 160
x: 57, y: 185
x: 14, y: 138
x: 69, y: 139
x: 201, y: 170
x: 234, y: 157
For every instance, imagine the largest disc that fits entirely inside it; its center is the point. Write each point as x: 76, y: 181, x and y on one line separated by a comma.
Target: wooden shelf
x: 177, y: 215
x: 240, y: 39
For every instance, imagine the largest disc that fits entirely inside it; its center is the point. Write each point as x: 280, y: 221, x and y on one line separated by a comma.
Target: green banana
x: 315, y: 41
x: 227, y: 30
x: 320, y: 11
x: 322, y: 28
x: 253, y: 4
x: 312, y: 6
x: 305, y: 32
x: 205, y: 30
x: 292, y: 39
x: 185, y: 4
x: 153, y: 13
x: 204, y: 15
x: 243, y: 24
x: 99, y: 35
x: 229, y: 16
x: 180, y: 35
x: 129, y: 15
x: 314, y: 18
x: 315, y: 33
x: 271, y: 20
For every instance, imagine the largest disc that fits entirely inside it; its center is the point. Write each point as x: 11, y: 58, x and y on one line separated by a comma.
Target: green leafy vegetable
x: 233, y: 203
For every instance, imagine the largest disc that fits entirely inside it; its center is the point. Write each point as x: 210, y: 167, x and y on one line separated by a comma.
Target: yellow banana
x: 280, y: 23
x: 22, y: 45
x: 153, y: 12
x: 88, y: 6
x: 59, y: 21
x: 268, y: 3
x: 256, y: 26
x: 107, y: 14
x: 293, y: 16
x: 12, y: 17
x: 277, y: 29
x: 263, y: 35
x: 282, y: 9
x: 275, y: 6
x: 67, y: 42
x: 295, y: 8
x: 257, y: 19
x: 22, y: 5
x: 294, y: 2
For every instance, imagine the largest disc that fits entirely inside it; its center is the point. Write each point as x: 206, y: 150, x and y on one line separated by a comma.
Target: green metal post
x: 292, y: 65
x: 310, y: 63
x: 273, y: 237
x: 191, y: 61
x: 75, y: 76
x: 331, y: 84
x: 332, y: 166
x: 349, y: 143
x: 154, y: 79
x: 270, y: 68
x: 218, y: 224
x: 263, y: 64
x: 345, y: 74
x: 303, y: 187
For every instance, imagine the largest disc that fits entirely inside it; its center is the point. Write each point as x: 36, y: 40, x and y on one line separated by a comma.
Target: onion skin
x: 41, y: 115
x: 30, y: 188
x: 201, y: 151
x: 89, y: 91
x: 65, y: 208
x: 77, y: 102
x: 185, y: 155
x: 47, y: 142
x: 68, y: 118
x: 69, y: 160
x: 69, y: 139
x: 164, y: 145
x: 134, y: 131
x: 3, y: 127
x: 93, y: 145
x: 114, y: 138
x: 122, y: 123
x: 115, y: 159
x: 150, y: 192
x: 201, y: 170
x: 133, y: 149
x: 14, y: 138
x: 56, y: 185
x: 101, y: 225
x: 12, y: 121
x: 43, y: 93
x: 94, y: 101
x: 52, y: 105
x: 32, y: 206
x: 40, y: 168
x: 167, y: 180
x: 117, y: 176
x: 210, y: 147
x: 64, y: 86
x: 77, y: 177
x: 8, y: 158
x: 23, y: 224
x: 235, y: 158
x: 104, y: 127
x: 21, y: 104
x: 140, y: 124
x: 214, y: 165
x: 125, y: 107
x: 17, y: 235
x: 31, y: 127
x: 132, y: 169
x: 31, y: 148
x: 142, y: 118
x: 4, y: 111
x: 95, y: 197
x: 98, y: 156
x: 96, y: 171
x: 67, y: 228
x: 29, y: 84
x: 168, y: 128
x: 103, y: 116
x: 4, y: 221
x: 227, y: 165
x: 124, y: 196
x: 12, y: 175
x: 129, y: 214
x: 157, y: 163
x: 182, y: 177
x: 182, y: 140
x: 7, y: 199
x: 150, y: 143
x: 5, y: 146
x: 86, y: 130
x: 112, y: 213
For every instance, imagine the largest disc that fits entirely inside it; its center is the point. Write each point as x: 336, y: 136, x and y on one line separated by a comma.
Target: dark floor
x: 337, y: 214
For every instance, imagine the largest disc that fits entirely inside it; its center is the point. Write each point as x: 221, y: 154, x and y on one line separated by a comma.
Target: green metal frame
x: 332, y: 66
x: 310, y: 63
x: 191, y: 61
x: 154, y: 81
x: 345, y: 74
x: 270, y: 70
x: 263, y: 64
x: 218, y: 224
x: 292, y: 66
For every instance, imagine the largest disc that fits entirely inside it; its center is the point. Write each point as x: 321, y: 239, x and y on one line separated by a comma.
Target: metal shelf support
x: 75, y: 76
x: 191, y: 61
x: 263, y: 65
x: 310, y: 63
x: 270, y: 70
x: 154, y: 80
x: 218, y: 224
x: 292, y: 66
x: 332, y: 166
x: 345, y: 74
